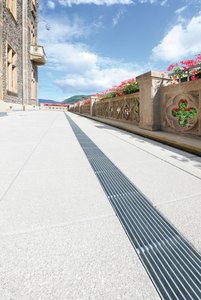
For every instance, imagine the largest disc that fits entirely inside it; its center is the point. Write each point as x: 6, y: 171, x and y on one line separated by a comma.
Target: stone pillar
x: 80, y: 108
x: 150, y: 84
x: 92, y: 106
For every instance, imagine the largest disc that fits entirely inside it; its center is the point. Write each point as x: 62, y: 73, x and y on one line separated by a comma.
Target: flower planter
x: 184, y: 79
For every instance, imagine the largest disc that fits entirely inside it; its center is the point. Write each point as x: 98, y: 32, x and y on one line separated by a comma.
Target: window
x: 12, y: 6
x: 33, y: 33
x: 33, y: 82
x: 11, y: 70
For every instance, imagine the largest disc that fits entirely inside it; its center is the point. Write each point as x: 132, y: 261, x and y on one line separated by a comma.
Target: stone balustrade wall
x: 157, y: 106
x: 123, y: 109
x: 85, y: 109
x: 76, y: 109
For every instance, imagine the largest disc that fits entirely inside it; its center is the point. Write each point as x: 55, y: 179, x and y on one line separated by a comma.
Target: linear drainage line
x: 171, y: 262
x: 144, y: 207
x: 110, y: 161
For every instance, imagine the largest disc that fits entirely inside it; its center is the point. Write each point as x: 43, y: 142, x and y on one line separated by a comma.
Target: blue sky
x: 94, y: 44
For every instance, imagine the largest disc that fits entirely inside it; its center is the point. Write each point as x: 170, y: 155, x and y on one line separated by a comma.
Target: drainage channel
x: 172, y: 263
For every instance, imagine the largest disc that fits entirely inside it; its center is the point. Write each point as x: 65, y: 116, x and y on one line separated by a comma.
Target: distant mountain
x: 46, y: 101
x: 75, y: 98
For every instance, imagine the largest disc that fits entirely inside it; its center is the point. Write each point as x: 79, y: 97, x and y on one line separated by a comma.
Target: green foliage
x: 126, y: 87
x: 76, y: 98
x: 183, y: 113
x: 130, y: 88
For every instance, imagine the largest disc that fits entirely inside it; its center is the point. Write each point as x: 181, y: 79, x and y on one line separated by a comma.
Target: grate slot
x: 171, y: 262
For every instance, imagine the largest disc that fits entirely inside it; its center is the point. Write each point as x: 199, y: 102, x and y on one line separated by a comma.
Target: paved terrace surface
x: 59, y: 237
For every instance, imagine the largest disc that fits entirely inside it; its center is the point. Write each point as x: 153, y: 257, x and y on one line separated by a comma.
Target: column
x: 150, y: 84
x: 92, y: 106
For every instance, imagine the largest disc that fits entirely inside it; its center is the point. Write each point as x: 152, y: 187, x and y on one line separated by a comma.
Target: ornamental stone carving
x: 125, y: 109
x: 181, y: 112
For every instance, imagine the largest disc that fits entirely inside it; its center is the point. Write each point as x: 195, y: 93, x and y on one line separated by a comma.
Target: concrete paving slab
x: 19, y: 140
x: 43, y: 198
x: 6, y: 180
x: 171, y: 184
x: 89, y: 260
x: 57, y: 149
x: 188, y: 143
x: 13, y: 160
x: 184, y: 160
x: 141, y: 142
x: 143, y: 168
x: 184, y: 214
x: 181, y: 159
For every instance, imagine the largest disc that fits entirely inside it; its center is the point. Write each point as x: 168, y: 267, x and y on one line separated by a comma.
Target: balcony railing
x: 38, y: 54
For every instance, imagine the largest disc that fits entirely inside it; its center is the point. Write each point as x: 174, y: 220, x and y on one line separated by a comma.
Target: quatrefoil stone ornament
x: 181, y: 112
x: 184, y: 113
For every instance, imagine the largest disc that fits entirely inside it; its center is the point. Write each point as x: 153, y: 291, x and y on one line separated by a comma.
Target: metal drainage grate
x: 172, y: 264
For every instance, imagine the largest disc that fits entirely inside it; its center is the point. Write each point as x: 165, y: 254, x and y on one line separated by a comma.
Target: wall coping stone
x: 151, y: 74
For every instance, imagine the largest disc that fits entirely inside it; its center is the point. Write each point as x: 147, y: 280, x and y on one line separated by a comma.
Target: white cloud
x: 116, y: 19
x: 148, y: 1
x: 180, y: 10
x: 78, y: 69
x: 84, y: 71
x: 94, y: 80
x: 96, y: 2
x: 164, y: 2
x: 181, y: 41
x: 111, y: 2
x: 51, y: 4
x: 98, y: 23
x: 160, y: 2
x: 69, y: 58
x: 61, y: 30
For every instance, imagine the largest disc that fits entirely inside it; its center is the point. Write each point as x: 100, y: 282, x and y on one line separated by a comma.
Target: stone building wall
x: 32, y: 17
x: 11, y: 32
x: 1, y: 51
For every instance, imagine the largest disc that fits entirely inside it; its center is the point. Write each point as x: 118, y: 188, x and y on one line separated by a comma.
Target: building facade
x: 55, y: 106
x: 20, y: 55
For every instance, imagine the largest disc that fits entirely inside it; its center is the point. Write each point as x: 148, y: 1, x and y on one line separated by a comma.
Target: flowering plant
x: 86, y: 101
x: 186, y: 68
x: 125, y: 88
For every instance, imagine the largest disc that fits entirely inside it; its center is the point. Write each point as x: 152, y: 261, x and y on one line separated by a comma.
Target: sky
x: 91, y: 45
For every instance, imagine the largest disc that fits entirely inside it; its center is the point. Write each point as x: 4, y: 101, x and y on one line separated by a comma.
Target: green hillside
x: 75, y: 98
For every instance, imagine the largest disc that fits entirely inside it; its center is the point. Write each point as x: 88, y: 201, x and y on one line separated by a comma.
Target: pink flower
x: 195, y: 72
x: 189, y: 63
x: 170, y: 67
x: 194, y: 78
x: 198, y: 58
